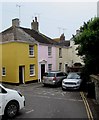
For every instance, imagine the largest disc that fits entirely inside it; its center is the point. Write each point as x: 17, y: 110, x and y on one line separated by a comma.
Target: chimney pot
x: 35, y: 19
x: 15, y: 22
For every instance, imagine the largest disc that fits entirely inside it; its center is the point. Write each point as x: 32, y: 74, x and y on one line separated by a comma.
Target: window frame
x: 60, y: 66
x: 32, y: 69
x: 49, y: 51
x: 3, y: 71
x: 31, y: 50
x: 49, y: 67
x: 60, y: 52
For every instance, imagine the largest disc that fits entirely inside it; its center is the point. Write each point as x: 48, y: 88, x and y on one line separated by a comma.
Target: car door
x: 2, y: 99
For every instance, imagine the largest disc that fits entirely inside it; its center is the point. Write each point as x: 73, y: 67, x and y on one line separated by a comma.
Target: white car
x: 11, y: 101
x: 73, y: 81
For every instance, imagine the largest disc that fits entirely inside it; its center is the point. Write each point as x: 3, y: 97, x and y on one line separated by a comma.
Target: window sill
x: 31, y: 56
x: 3, y: 75
x: 32, y: 75
x: 49, y: 56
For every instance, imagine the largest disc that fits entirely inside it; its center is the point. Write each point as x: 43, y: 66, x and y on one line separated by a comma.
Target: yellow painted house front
x: 18, y: 61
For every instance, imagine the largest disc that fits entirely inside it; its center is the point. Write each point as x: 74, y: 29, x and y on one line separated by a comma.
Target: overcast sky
x: 54, y: 17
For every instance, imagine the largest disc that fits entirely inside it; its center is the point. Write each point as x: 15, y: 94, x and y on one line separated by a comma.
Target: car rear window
x: 49, y: 75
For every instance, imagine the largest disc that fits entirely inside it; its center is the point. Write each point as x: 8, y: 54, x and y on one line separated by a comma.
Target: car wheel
x: 11, y: 109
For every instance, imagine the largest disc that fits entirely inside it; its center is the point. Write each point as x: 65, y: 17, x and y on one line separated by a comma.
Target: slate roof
x: 15, y: 34
x: 65, y: 43
x: 28, y: 35
x: 39, y: 37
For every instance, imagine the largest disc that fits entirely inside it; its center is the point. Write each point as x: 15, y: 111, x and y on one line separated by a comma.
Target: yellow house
x: 18, y: 55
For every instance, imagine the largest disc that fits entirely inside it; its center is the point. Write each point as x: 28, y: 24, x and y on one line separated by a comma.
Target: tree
x: 88, y: 45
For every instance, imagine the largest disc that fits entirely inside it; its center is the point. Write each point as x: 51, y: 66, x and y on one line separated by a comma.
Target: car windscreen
x: 49, y: 75
x: 73, y: 76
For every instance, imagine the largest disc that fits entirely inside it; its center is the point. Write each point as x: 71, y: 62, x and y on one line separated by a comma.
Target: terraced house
x: 46, y: 49
x: 66, y: 55
x: 19, y: 55
x: 26, y: 54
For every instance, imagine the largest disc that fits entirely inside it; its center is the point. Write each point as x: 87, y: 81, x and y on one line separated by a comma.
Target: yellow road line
x: 89, y: 113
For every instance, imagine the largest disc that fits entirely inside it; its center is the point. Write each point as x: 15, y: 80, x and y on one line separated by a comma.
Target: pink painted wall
x: 43, y: 56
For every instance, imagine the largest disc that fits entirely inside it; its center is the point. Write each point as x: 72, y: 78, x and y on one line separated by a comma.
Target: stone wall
x: 95, y: 79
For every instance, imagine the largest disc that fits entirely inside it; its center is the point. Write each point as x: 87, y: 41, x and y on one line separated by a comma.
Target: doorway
x: 42, y: 70
x: 21, y: 74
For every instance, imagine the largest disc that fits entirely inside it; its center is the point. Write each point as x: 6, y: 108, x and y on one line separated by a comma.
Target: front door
x: 42, y: 70
x: 21, y: 74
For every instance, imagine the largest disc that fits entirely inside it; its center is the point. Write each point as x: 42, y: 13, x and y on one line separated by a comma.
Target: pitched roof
x: 65, y: 43
x: 39, y: 37
x: 28, y: 35
x: 25, y: 34
x: 15, y: 34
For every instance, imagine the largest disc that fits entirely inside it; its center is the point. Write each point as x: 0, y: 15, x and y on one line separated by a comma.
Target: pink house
x: 46, y: 59
x: 46, y: 50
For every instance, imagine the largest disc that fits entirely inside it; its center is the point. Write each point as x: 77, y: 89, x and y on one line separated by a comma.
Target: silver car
x: 53, y: 78
x: 73, y: 81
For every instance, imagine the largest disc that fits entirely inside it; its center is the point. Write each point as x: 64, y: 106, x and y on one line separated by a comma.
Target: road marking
x: 29, y: 111
x: 62, y: 94
x: 88, y: 110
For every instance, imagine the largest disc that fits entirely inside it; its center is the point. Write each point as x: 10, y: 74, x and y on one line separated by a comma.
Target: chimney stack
x: 15, y: 22
x: 62, y: 37
x: 35, y: 25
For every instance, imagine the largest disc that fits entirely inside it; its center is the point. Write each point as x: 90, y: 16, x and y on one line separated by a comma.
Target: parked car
x: 11, y: 101
x: 73, y: 81
x: 53, y: 78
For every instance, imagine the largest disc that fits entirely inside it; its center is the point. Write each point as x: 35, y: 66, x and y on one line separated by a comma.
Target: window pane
x: 32, y: 69
x: 60, y: 52
x: 31, y: 50
x: 49, y: 51
x: 3, y: 71
x: 49, y: 67
x: 60, y: 66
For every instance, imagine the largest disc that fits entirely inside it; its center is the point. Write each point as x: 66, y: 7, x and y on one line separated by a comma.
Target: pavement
x: 94, y: 106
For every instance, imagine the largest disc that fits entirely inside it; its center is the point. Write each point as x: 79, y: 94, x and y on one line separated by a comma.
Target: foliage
x: 88, y: 45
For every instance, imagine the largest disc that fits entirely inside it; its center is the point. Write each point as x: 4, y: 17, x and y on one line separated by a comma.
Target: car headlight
x: 63, y: 81
x: 78, y: 82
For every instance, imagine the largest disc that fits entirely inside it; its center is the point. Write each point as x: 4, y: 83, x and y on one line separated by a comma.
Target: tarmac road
x: 50, y: 102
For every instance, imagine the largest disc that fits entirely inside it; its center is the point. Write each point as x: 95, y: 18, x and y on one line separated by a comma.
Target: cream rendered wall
x: 63, y: 60
x: 69, y: 56
x: 74, y: 58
